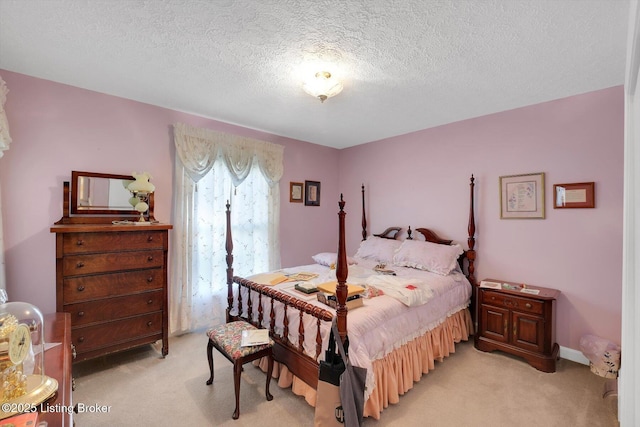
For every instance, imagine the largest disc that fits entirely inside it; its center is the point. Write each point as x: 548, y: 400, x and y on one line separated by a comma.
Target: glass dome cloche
x: 22, y: 378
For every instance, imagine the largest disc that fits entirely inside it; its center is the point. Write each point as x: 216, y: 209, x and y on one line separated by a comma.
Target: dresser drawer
x: 85, y: 313
x: 514, y: 302
x: 86, y: 288
x: 74, y: 265
x: 89, y: 338
x: 101, y: 242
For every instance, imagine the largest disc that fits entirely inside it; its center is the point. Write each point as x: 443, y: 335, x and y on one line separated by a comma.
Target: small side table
x: 520, y: 320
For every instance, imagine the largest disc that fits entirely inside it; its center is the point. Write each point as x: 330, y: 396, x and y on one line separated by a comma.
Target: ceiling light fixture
x: 322, y: 86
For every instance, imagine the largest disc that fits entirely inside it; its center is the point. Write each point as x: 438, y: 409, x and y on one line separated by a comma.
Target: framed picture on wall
x: 577, y: 195
x: 522, y: 196
x: 295, y: 192
x: 312, y: 193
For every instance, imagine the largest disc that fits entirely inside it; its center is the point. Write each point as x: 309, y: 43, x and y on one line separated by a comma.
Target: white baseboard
x: 573, y: 355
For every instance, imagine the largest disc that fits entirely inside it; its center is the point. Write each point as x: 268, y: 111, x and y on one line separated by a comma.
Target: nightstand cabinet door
x: 528, y: 331
x: 495, y: 323
x: 518, y: 323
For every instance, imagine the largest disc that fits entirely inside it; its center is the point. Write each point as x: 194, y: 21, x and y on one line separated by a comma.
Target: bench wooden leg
x: 237, y: 371
x: 269, y: 372
x: 210, y: 358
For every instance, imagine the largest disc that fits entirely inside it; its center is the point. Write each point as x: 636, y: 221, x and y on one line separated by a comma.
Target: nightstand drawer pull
x: 80, y: 339
x: 80, y: 313
x: 80, y: 242
x: 150, y: 302
x: 149, y: 323
x: 80, y: 264
x: 150, y: 239
x: 528, y: 305
x: 149, y: 258
x: 150, y: 279
x: 80, y: 288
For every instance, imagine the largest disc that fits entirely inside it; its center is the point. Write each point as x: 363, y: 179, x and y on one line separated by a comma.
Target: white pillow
x: 378, y: 249
x: 433, y: 257
x: 328, y: 258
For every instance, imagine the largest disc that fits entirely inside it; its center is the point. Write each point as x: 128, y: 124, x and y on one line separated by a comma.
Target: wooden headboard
x: 430, y: 236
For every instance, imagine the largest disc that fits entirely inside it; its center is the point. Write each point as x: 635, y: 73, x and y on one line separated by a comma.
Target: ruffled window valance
x: 199, y: 149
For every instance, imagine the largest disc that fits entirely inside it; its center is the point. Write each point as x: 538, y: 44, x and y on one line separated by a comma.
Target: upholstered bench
x: 226, y: 339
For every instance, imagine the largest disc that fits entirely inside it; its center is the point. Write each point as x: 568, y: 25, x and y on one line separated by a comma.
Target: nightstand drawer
x: 509, y: 301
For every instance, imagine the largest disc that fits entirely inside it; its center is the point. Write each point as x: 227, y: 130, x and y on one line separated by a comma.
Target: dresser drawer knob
x: 80, y: 242
x: 150, y: 302
x: 80, y: 313
x: 80, y: 288
x: 80, y: 339
x: 528, y: 305
x: 80, y: 264
x: 149, y: 323
x: 150, y: 239
x: 149, y: 258
x: 150, y: 279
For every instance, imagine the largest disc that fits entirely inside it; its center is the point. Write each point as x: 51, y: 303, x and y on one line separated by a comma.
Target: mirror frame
x: 75, y: 175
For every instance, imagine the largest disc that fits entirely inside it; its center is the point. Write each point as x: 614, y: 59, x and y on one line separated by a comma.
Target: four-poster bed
x: 300, y: 325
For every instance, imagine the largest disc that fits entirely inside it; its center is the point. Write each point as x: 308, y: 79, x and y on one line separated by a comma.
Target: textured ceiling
x: 406, y: 65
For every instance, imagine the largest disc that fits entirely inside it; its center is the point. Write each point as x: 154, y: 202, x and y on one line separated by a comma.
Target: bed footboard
x: 292, y: 354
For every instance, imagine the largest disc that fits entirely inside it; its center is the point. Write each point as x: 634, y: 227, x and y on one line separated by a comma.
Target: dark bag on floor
x: 340, y: 392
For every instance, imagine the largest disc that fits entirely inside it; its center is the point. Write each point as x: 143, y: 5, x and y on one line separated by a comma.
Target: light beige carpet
x: 470, y: 388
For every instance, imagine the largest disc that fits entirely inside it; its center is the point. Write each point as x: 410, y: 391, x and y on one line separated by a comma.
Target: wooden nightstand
x: 519, y: 323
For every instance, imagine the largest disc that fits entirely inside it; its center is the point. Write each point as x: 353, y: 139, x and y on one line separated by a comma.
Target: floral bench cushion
x: 229, y: 335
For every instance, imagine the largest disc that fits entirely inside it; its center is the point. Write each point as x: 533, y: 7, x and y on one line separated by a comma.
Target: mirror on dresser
x: 96, y: 197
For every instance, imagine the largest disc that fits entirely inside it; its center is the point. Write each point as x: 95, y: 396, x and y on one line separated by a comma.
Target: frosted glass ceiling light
x: 322, y: 86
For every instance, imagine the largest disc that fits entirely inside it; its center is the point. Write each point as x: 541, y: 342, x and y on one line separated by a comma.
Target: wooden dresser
x: 111, y: 271
x: 519, y: 323
x: 112, y: 279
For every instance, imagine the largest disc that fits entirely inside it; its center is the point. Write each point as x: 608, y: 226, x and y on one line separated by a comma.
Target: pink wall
x: 421, y: 179
x: 58, y: 128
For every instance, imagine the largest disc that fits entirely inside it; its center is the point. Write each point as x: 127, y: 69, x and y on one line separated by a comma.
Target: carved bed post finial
x: 341, y: 275
x: 364, y: 218
x: 471, y: 241
x: 229, y: 248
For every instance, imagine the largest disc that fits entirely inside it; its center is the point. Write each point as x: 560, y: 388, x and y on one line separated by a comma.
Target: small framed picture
x: 522, y: 196
x: 295, y: 192
x: 312, y: 193
x: 577, y: 195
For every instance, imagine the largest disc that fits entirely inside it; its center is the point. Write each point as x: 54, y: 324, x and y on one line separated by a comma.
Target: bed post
x: 364, y: 218
x: 229, y: 248
x: 341, y: 275
x: 471, y: 241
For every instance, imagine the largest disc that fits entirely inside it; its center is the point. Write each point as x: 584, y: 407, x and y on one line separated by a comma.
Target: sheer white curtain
x: 5, y: 141
x: 629, y: 385
x: 211, y: 168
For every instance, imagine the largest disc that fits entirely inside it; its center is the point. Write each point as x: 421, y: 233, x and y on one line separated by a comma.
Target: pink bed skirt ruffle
x: 395, y: 373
